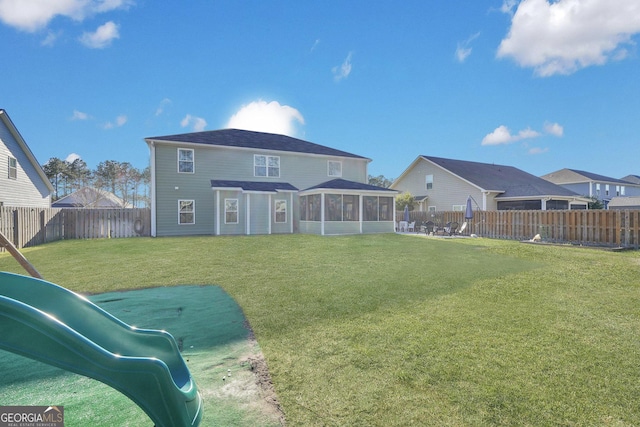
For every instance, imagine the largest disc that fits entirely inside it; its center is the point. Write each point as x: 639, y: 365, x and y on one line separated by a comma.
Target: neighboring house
x: 91, y: 198
x: 445, y: 184
x: 625, y: 203
x: 23, y: 183
x: 589, y: 184
x: 231, y: 181
x: 634, y: 179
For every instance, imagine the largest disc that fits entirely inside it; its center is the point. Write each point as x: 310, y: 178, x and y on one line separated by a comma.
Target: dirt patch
x: 258, y: 366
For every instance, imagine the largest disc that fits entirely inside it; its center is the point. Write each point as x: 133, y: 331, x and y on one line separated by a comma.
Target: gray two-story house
x: 231, y: 182
x: 603, y: 188
x: 23, y: 183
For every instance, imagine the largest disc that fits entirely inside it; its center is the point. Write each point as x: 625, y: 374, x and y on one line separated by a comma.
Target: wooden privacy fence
x: 613, y: 228
x: 26, y: 227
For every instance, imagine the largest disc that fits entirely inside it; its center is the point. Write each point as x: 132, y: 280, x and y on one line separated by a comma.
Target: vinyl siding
x: 448, y: 190
x: 222, y: 163
x: 28, y: 189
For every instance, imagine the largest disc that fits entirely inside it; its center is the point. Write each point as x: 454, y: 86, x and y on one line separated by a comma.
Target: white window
x: 617, y: 190
x: 459, y: 208
x: 597, y: 189
x: 185, y: 161
x: 186, y: 211
x: 606, y: 189
x: 431, y: 209
x: 266, y: 166
x: 622, y: 191
x: 334, y: 168
x: 13, y: 168
x: 429, y: 182
x: 230, y: 211
x: 281, y: 211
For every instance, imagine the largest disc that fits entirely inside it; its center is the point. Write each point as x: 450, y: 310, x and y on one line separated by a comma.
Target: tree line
x: 128, y: 183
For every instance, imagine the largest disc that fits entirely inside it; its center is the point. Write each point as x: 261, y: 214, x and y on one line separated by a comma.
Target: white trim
x: 27, y: 151
x: 275, y: 212
x: 322, y: 214
x: 291, y: 222
x: 266, y: 166
x: 152, y: 189
x: 217, y: 212
x: 237, y: 211
x: 339, y: 175
x: 248, y: 214
x: 193, y: 160
x: 10, y: 168
x: 269, y: 215
x: 193, y: 202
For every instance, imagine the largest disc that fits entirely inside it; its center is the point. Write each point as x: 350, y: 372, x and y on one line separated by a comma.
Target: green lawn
x: 398, y: 330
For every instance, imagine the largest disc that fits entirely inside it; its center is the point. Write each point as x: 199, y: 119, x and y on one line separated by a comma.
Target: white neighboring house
x: 91, y: 198
x: 603, y: 188
x: 23, y: 183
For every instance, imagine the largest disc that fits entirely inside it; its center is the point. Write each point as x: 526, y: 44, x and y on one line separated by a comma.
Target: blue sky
x: 533, y: 84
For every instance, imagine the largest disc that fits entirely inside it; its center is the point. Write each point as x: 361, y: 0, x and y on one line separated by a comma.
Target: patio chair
x: 411, y: 226
x: 462, y: 228
x: 450, y: 228
x: 427, y: 227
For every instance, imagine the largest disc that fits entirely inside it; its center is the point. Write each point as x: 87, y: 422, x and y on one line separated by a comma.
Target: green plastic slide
x: 49, y: 323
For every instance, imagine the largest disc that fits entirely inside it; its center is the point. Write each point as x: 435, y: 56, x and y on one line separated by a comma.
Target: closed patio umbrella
x: 406, y: 213
x: 469, y: 212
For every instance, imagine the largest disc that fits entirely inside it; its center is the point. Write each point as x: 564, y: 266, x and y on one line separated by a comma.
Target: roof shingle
x: 510, y: 181
x: 251, y: 139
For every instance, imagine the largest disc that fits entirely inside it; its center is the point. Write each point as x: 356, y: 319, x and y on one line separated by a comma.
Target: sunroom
x: 347, y: 207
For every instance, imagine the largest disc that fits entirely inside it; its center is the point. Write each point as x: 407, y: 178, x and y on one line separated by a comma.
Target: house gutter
x: 152, y: 169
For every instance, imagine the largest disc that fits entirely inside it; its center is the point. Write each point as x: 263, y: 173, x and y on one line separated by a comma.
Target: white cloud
x: 507, y: 6
x: 267, y: 117
x: 120, y: 121
x: 51, y: 38
x: 165, y: 102
x: 72, y: 157
x: 537, y: 150
x: 563, y: 36
x: 198, y: 124
x: 342, y: 71
x: 554, y: 129
x: 79, y: 115
x: 502, y: 135
x: 33, y: 15
x: 102, y: 37
x: 464, y: 50
x: 315, y: 45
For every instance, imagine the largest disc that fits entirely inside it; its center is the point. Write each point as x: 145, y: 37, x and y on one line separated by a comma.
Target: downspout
x: 152, y: 155
x: 291, y: 225
x: 217, y: 212
x: 248, y: 215
x: 360, y: 212
x: 269, y: 216
x: 322, y: 214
